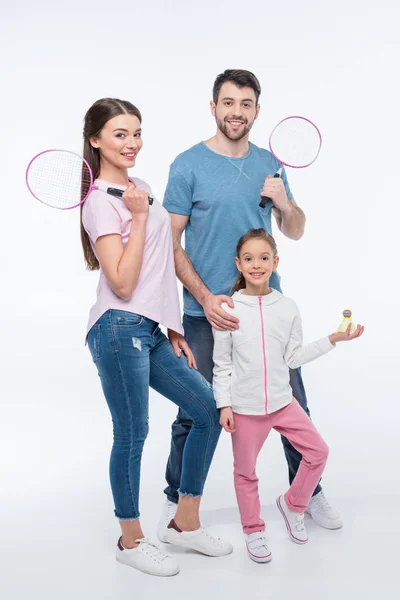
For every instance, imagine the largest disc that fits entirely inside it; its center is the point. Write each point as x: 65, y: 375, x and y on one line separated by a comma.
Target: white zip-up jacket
x: 251, y: 364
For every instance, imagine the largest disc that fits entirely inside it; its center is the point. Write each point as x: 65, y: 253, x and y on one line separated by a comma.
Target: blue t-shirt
x: 221, y: 196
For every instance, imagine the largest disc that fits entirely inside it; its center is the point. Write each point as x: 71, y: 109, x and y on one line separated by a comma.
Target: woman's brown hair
x: 95, y: 119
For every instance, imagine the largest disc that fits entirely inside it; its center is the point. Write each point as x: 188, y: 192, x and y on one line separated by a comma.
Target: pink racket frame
x: 287, y: 164
x: 91, y: 187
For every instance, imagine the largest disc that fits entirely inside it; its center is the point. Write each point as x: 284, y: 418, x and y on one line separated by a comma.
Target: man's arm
x: 183, y: 266
x: 186, y: 273
x: 289, y: 216
x: 291, y: 221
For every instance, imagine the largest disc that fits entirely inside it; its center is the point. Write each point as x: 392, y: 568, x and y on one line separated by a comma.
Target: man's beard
x: 234, y: 136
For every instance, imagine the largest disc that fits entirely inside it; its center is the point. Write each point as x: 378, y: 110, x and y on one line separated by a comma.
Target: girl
x: 252, y: 391
x: 131, y: 243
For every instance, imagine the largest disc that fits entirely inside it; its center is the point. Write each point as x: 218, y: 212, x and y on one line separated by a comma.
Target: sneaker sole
x: 147, y: 571
x: 292, y: 537
x: 260, y: 559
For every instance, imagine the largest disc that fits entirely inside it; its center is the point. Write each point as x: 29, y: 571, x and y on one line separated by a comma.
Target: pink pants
x: 247, y: 441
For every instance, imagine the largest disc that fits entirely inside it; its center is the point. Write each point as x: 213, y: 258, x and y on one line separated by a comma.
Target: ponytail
x: 240, y: 284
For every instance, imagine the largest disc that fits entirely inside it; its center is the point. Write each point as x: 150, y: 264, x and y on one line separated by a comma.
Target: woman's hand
x: 226, y: 419
x: 137, y: 201
x: 180, y: 345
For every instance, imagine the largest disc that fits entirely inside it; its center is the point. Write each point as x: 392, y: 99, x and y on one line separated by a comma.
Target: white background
x: 336, y: 64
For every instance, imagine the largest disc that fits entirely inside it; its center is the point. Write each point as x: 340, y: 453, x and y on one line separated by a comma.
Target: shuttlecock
x: 346, y: 322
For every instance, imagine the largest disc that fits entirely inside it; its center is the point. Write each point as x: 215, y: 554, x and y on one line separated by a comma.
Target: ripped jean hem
x: 126, y: 518
x: 188, y: 494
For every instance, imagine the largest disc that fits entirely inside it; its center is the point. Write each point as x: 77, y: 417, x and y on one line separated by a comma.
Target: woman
x: 130, y: 241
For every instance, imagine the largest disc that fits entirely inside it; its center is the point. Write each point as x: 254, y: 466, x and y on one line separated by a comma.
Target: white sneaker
x: 148, y: 558
x: 168, y: 513
x: 323, y: 513
x: 294, y: 522
x: 257, y: 547
x: 200, y: 540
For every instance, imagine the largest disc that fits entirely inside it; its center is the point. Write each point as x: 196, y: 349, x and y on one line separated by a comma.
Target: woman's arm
x: 121, y: 265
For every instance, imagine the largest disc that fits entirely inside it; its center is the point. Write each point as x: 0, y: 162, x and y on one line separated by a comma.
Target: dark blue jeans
x: 131, y: 354
x: 198, y: 334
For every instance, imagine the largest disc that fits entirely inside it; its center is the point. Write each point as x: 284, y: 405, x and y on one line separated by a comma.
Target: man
x: 213, y: 195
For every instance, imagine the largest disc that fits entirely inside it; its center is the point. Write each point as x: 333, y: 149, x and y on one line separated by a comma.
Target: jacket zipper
x: 264, y: 353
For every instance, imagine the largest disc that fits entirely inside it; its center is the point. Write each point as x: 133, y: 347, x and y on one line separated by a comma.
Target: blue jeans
x: 198, y: 334
x: 131, y: 353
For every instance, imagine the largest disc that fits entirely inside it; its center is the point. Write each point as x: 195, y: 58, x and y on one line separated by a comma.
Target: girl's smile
x: 257, y: 262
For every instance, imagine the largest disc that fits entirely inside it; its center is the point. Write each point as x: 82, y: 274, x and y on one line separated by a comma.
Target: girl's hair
x: 252, y: 234
x: 95, y: 119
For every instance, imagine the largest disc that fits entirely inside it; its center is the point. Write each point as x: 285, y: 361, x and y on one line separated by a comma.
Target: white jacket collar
x: 270, y: 298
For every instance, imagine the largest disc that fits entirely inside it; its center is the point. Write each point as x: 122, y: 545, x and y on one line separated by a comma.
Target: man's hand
x: 274, y: 188
x: 217, y: 316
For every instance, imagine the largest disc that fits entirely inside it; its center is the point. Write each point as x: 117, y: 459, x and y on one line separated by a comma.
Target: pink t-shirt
x: 156, y: 293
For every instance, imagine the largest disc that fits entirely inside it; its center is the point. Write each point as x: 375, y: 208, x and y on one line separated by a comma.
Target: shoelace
x: 321, y: 501
x: 152, y: 550
x: 215, y: 541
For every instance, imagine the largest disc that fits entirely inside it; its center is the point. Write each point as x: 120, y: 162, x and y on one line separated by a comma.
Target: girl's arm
x: 296, y: 354
x: 222, y: 373
x: 121, y: 265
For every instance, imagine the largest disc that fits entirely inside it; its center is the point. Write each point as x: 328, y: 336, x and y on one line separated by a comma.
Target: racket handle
x: 264, y: 199
x: 119, y: 193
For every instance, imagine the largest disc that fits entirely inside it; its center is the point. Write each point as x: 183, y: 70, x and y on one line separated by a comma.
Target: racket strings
x: 296, y: 142
x: 59, y: 178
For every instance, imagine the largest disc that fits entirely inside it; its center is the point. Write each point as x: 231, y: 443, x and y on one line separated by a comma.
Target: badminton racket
x: 62, y: 179
x: 295, y: 142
